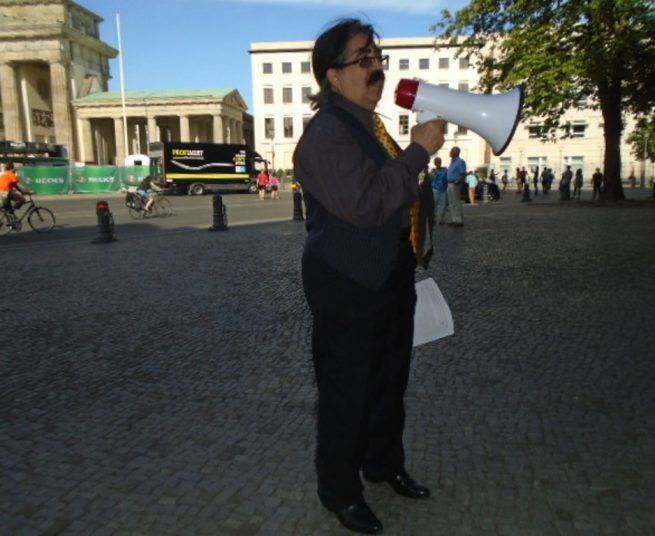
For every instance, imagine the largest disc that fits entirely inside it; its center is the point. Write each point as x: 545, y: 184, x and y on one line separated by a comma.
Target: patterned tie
x: 414, y: 214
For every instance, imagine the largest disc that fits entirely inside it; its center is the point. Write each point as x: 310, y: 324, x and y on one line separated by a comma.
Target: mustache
x: 376, y: 76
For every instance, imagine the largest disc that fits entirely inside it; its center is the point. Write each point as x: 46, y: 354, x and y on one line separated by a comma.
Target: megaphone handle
x: 423, y: 116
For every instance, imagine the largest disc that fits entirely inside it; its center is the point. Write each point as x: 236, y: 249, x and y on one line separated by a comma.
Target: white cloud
x: 428, y: 7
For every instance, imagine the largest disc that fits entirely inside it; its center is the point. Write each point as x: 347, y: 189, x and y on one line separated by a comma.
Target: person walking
x: 472, y: 183
x: 439, y: 190
x: 358, y: 271
x: 535, y: 180
x: 565, y: 184
x: 263, y: 182
x: 455, y: 175
x: 577, y: 184
x: 596, y: 183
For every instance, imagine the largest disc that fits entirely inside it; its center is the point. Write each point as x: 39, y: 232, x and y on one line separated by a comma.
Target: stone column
x: 153, y: 130
x: 218, y: 135
x: 238, y: 125
x: 61, y: 105
x: 184, y: 128
x: 85, y: 140
x: 232, y: 132
x: 120, y: 143
x: 10, y: 106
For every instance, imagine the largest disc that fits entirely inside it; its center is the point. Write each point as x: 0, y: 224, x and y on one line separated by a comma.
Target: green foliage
x: 563, y: 51
x: 642, y: 138
x: 568, y: 53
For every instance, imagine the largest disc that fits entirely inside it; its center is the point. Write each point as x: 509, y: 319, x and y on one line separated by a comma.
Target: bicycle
x: 40, y: 219
x: 135, y: 205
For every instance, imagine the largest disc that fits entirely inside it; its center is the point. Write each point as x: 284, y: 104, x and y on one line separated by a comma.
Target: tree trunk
x: 610, y: 103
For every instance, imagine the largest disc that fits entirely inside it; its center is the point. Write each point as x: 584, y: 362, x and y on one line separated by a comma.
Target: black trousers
x: 361, y: 346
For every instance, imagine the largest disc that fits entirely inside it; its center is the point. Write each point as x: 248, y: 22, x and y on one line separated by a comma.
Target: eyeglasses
x: 365, y: 62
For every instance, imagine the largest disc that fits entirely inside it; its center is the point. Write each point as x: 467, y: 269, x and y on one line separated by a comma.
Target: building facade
x: 54, y: 73
x: 199, y: 115
x: 50, y: 53
x: 282, y: 80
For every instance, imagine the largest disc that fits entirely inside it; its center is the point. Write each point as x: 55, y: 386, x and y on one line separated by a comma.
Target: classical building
x: 54, y: 72
x: 50, y: 54
x: 282, y: 79
x: 197, y: 115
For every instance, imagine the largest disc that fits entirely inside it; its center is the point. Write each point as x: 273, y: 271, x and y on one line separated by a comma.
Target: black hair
x: 329, y: 51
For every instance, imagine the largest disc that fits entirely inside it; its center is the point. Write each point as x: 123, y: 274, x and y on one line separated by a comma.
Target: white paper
x: 432, y: 317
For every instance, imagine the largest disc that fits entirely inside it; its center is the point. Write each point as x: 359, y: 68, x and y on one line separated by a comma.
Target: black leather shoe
x: 360, y: 518
x: 404, y: 485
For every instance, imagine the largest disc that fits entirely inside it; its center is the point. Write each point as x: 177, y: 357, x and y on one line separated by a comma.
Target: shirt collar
x: 363, y: 115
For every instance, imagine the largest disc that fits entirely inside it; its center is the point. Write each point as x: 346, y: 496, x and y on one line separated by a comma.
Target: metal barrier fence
x: 83, y: 179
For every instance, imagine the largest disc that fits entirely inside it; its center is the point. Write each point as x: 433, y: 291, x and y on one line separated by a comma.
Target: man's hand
x: 429, y: 135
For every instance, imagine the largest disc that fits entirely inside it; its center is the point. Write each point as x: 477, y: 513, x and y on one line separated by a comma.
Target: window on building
x: 535, y: 131
x: 576, y: 162
x: 269, y: 128
x: 424, y: 63
x: 403, y: 124
x: 288, y: 127
x: 267, y: 68
x: 444, y: 63
x: 305, y: 121
x: 403, y: 64
x: 578, y: 130
x: 287, y: 95
x: 306, y: 92
x: 462, y: 130
x: 463, y: 86
x: 305, y: 67
x: 268, y: 95
x: 286, y: 67
x: 464, y: 63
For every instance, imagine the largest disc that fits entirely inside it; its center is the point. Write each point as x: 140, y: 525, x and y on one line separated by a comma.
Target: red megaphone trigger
x: 406, y: 93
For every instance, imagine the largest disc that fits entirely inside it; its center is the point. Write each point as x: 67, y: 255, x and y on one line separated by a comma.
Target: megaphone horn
x: 494, y: 117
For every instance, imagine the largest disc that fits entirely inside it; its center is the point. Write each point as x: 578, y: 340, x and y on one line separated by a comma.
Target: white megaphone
x: 494, y: 117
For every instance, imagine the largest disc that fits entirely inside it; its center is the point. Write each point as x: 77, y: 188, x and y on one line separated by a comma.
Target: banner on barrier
x: 92, y: 179
x: 46, y: 180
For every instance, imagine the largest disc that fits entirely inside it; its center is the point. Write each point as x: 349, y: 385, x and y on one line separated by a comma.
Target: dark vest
x: 365, y: 255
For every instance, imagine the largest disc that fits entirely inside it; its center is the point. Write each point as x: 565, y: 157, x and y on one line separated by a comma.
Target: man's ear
x: 333, y: 78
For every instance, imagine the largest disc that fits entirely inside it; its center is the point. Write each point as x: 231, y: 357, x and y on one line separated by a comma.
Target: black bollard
x: 105, y: 224
x: 526, y: 193
x: 297, y: 206
x: 220, y: 214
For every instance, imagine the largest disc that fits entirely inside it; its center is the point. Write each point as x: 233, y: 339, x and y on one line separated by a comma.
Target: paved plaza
x: 162, y: 384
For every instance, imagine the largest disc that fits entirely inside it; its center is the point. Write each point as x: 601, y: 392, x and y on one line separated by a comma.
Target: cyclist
x: 145, y: 189
x: 11, y: 189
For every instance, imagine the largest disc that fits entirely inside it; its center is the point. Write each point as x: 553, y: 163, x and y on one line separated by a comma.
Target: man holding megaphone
x: 358, y: 271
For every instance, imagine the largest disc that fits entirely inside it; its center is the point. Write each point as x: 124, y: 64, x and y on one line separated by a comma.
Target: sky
x: 187, y: 44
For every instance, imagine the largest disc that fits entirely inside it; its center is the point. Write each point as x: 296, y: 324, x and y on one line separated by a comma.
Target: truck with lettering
x: 196, y: 168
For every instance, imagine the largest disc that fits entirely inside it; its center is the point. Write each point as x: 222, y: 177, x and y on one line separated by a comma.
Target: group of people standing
x: 447, y: 186
x: 569, y: 186
x: 268, y: 183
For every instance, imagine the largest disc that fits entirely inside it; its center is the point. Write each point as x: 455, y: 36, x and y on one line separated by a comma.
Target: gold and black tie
x: 414, y: 214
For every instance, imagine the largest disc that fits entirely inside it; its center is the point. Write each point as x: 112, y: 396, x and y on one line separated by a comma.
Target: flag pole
x: 120, y: 63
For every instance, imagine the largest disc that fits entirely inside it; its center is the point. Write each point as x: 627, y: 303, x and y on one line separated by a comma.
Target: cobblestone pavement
x: 162, y: 385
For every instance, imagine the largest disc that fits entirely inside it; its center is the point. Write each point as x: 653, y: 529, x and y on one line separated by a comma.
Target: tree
x: 565, y: 52
x: 642, y: 141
